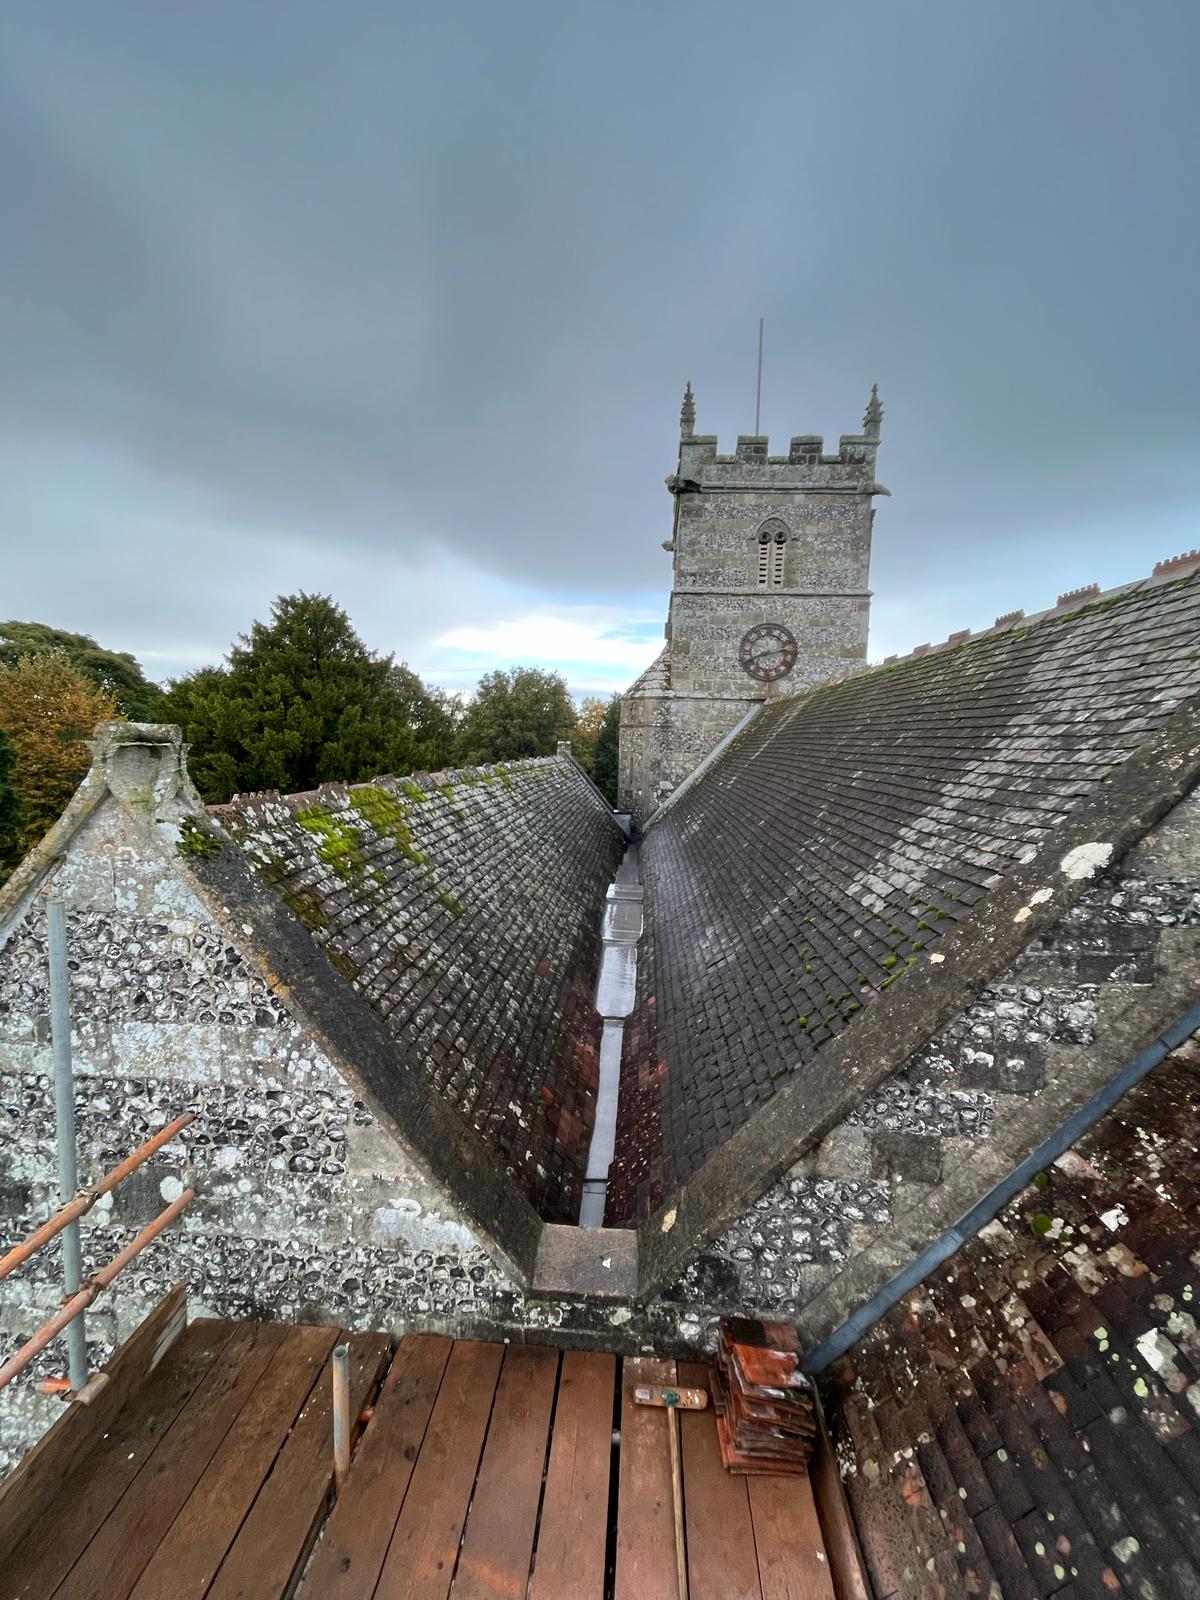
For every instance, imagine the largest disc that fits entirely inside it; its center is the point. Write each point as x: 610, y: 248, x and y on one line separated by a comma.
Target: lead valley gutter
x: 615, y: 989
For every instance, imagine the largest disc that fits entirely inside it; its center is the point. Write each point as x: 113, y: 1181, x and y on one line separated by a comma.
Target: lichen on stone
x: 341, y: 963
x: 304, y: 906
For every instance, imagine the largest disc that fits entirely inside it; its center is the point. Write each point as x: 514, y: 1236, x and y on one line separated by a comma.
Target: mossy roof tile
x: 438, y: 896
x: 902, y: 795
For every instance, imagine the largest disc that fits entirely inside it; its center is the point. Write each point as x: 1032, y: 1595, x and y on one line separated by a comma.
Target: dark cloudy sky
x: 397, y: 302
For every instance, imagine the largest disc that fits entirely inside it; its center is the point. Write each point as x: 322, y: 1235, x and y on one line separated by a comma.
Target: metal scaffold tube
x: 83, y: 1203
x: 341, y: 1414
x: 72, y: 1312
x: 64, y: 1122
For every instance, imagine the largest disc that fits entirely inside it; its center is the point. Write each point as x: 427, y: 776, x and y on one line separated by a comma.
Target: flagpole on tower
x: 758, y: 389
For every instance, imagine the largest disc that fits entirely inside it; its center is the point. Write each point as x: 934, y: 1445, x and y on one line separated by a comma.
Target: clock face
x: 767, y: 652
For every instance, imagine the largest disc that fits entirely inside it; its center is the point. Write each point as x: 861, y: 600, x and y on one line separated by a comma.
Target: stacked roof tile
x: 464, y: 907
x: 1027, y: 1423
x: 848, y: 829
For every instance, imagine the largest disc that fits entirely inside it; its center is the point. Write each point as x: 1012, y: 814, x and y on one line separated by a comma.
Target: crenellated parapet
x: 807, y: 464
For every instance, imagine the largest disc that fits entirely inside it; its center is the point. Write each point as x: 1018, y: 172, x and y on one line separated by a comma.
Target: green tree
x: 302, y: 702
x: 521, y: 712
x: 604, y: 761
x: 115, y: 672
x: 12, y: 811
x: 202, y: 704
x: 434, y: 716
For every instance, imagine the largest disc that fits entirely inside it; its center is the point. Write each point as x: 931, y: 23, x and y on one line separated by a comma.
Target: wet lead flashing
x: 616, y: 987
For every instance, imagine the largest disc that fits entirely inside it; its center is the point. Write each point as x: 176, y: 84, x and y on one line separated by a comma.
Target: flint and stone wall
x: 824, y: 600
x: 306, y: 1209
x: 666, y: 736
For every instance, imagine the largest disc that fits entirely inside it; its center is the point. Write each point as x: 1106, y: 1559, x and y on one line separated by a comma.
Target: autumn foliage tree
x: 115, y: 671
x: 594, y: 742
x: 48, y: 711
x: 11, y: 810
x: 587, y: 730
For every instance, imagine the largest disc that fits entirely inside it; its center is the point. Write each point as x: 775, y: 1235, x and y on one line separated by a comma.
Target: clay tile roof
x: 847, y: 830
x: 465, y: 908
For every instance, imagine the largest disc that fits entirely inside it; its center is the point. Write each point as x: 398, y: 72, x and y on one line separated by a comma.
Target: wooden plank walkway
x: 485, y: 1472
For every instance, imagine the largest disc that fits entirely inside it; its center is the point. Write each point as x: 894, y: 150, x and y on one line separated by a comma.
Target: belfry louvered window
x: 772, y: 547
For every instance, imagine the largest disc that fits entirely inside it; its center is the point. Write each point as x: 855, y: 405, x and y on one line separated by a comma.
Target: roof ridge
x: 1174, y: 569
x: 430, y: 779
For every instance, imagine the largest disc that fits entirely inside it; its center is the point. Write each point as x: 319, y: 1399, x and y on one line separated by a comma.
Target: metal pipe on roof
x: 64, y: 1126
x: 341, y: 1414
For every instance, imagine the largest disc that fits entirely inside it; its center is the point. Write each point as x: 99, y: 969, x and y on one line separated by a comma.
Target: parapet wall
x: 805, y: 465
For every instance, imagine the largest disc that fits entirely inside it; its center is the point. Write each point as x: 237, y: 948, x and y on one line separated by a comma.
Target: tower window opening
x: 772, y: 548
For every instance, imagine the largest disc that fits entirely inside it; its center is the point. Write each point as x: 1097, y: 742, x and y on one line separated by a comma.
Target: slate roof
x: 848, y: 829
x: 465, y: 908
x: 657, y: 676
x: 1027, y: 1422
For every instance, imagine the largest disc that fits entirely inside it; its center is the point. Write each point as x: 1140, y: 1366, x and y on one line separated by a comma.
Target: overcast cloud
x: 397, y: 303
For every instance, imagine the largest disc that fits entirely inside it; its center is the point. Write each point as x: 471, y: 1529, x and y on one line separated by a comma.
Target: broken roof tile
x: 1036, y: 1390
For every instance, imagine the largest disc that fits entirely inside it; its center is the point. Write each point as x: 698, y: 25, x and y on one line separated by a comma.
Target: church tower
x: 771, y: 559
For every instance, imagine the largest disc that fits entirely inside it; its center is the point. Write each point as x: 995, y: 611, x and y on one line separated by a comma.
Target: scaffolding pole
x: 71, y: 1313
x: 83, y: 1203
x: 64, y: 1123
x: 341, y: 1414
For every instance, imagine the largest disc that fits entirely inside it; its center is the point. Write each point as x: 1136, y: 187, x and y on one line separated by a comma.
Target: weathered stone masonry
x: 757, y: 539
x: 306, y: 1210
x: 347, y: 1173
